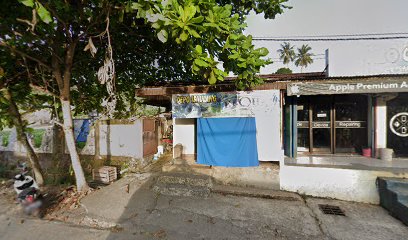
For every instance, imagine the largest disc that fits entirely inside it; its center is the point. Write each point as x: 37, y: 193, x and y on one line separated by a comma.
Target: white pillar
x: 381, y: 123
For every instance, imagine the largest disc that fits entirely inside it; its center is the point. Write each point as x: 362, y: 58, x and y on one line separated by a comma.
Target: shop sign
x: 303, y: 124
x: 226, y: 104
x: 320, y: 124
x: 348, y: 87
x: 399, y: 124
x: 350, y: 124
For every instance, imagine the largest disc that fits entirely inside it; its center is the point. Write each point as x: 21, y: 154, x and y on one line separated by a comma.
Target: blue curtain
x: 228, y: 142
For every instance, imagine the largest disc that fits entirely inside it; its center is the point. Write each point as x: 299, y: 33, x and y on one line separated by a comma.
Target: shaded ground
x: 129, y: 209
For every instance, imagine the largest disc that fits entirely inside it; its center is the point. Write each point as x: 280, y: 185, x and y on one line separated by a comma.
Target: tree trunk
x: 22, y: 138
x: 69, y: 139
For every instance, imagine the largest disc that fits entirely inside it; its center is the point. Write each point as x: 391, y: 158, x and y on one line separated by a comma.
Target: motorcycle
x: 28, y: 192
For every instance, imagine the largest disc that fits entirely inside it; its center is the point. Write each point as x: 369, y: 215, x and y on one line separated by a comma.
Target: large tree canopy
x: 131, y: 43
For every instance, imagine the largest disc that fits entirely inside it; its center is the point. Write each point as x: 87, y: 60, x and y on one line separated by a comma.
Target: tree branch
x: 22, y: 54
x: 54, y: 13
x: 43, y: 90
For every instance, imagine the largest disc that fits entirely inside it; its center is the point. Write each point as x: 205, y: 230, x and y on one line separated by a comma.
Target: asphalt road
x: 149, y: 216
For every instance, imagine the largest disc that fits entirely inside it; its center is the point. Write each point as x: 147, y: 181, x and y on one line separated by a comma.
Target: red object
x: 167, y: 140
x: 30, y: 198
x: 367, y: 152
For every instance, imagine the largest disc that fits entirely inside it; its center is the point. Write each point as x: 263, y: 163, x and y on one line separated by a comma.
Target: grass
x: 5, y: 138
x: 38, y: 135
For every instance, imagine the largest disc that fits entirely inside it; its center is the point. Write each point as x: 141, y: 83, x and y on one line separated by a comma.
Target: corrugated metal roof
x: 271, y: 81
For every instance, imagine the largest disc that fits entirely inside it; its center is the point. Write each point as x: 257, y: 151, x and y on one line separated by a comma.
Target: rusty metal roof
x: 162, y: 93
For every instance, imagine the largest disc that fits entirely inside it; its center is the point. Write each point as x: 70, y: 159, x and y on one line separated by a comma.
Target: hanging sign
x: 226, y: 104
x: 348, y: 87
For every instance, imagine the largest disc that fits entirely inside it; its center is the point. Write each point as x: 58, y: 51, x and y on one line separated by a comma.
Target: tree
x: 283, y: 71
x: 304, y: 57
x: 51, y: 36
x: 16, y: 94
x: 286, y: 53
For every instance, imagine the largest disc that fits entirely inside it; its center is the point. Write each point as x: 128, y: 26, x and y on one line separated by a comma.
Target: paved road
x: 145, y: 215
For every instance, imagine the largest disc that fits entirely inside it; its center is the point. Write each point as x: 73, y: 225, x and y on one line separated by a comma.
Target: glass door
x: 351, y: 123
x: 321, y: 125
x: 303, y: 132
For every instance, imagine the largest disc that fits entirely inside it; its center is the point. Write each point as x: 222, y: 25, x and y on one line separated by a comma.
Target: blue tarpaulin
x: 84, y: 131
x: 228, y: 142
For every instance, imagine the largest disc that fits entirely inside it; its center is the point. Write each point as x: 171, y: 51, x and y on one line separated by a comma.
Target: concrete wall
x: 184, y: 134
x: 125, y: 140
x: 268, y: 137
x: 121, y: 139
x: 15, y: 146
x: 343, y: 184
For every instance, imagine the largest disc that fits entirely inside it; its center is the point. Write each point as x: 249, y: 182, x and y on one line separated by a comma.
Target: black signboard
x: 303, y: 124
x: 321, y: 125
x: 350, y: 124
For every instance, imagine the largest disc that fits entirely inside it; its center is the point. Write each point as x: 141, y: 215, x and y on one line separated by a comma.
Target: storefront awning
x: 377, y: 84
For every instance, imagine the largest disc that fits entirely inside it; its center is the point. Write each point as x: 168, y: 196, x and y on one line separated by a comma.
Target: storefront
x: 230, y: 129
x: 332, y: 124
x: 355, y: 115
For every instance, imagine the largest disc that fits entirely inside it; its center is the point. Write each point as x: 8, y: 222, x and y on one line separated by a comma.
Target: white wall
x: 381, y: 124
x: 265, y: 107
x: 268, y: 124
x: 125, y: 139
x: 184, y: 134
x: 343, y: 184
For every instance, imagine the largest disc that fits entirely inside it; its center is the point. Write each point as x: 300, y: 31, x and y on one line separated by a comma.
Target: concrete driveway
x: 142, y: 214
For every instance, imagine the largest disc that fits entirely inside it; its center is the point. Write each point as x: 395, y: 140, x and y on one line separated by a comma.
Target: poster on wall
x: 225, y: 104
x: 84, y: 135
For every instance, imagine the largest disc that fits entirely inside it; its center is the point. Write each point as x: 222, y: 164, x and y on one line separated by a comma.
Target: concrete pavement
x: 142, y: 214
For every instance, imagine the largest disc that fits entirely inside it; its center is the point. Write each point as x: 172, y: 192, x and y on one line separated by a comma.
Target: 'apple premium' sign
x: 348, y: 87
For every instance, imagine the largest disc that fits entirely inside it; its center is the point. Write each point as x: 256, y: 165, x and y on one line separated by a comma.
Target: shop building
x: 349, y: 115
x: 340, y: 134
x: 327, y: 133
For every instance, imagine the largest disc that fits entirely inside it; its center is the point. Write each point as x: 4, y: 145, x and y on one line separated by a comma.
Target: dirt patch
x: 61, y: 201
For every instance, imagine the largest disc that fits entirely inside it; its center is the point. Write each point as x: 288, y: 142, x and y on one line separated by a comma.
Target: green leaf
x: 162, y: 35
x: 233, y: 56
x: 136, y: 6
x: 197, y: 19
x: 242, y: 65
x: 183, y: 36
x: 263, y: 51
x: 199, y: 49
x: 193, y: 32
x: 43, y: 13
x: 121, y: 15
x: 156, y: 25
x: 201, y: 62
x: 212, y: 79
x: 196, y: 68
x: 28, y: 3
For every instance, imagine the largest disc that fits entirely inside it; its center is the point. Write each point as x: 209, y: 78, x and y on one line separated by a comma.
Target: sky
x: 334, y: 17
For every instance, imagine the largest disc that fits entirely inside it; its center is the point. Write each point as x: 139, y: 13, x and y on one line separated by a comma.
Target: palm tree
x: 304, y: 57
x: 286, y: 53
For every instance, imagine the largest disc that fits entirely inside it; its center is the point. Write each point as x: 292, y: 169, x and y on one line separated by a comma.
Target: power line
x: 325, y: 39
x: 340, y: 35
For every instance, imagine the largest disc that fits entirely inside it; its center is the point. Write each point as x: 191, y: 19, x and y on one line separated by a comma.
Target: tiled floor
x: 348, y: 161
